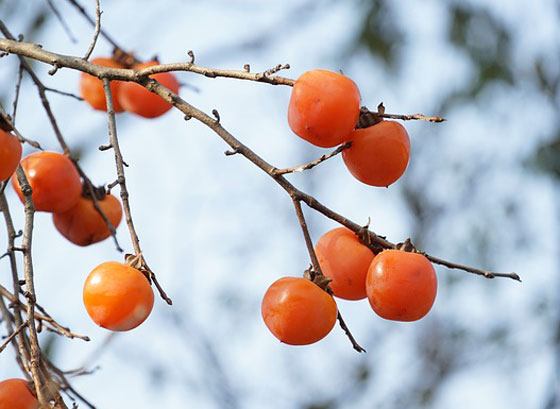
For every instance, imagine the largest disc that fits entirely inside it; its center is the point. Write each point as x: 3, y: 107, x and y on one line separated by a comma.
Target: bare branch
x: 62, y: 21
x: 35, y: 358
x: 314, y: 163
x: 95, y: 31
x: 114, y: 142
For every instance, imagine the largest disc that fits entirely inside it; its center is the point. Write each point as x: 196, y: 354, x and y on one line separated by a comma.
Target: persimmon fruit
x: 324, y: 107
x: 379, y: 154
x: 401, y: 286
x: 135, y: 98
x: 54, y: 180
x: 297, y: 311
x: 83, y: 225
x: 91, y: 88
x: 15, y: 394
x: 117, y: 296
x: 345, y: 261
x: 10, y: 154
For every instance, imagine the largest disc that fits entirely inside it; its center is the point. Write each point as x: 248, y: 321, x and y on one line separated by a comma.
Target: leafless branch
x: 12, y: 336
x: 35, y: 358
x: 62, y: 21
x: 16, y: 96
x: 95, y: 31
x: 323, y: 283
x: 314, y: 163
x: 114, y: 142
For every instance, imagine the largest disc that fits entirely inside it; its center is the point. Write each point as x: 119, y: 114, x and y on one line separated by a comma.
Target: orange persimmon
x: 297, y: 311
x: 83, y: 225
x: 135, y: 98
x: 345, y: 261
x: 401, y: 286
x: 54, y: 180
x: 324, y: 107
x: 91, y: 88
x: 15, y: 394
x: 10, y: 154
x: 379, y: 154
x: 117, y: 296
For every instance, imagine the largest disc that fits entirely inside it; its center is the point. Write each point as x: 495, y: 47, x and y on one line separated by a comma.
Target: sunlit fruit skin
x: 379, y: 154
x: 401, y: 286
x: 298, y: 312
x: 91, y: 88
x: 10, y: 154
x: 324, y: 107
x: 135, y: 98
x: 118, y: 297
x: 54, y: 180
x: 345, y: 261
x: 15, y: 394
x: 83, y: 225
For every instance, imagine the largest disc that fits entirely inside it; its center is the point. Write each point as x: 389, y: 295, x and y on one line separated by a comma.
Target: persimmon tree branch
x: 96, y: 30
x: 35, y: 355
x: 46, y: 105
x: 318, y: 276
x: 114, y: 144
x: 140, y: 76
x: 314, y: 163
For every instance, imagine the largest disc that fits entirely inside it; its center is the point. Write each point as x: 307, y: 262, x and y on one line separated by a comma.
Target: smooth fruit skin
x: 10, y: 154
x: 401, y: 286
x: 15, y: 394
x: 298, y: 312
x: 54, y: 180
x: 117, y: 297
x: 83, y: 225
x: 345, y: 261
x: 91, y: 88
x: 379, y: 154
x: 135, y: 98
x: 324, y: 107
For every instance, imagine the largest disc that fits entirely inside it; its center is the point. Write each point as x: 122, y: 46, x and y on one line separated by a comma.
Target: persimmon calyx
x: 322, y: 281
x: 407, y: 246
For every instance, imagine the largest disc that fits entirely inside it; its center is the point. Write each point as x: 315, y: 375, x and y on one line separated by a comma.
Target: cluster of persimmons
x: 400, y: 285
x: 324, y: 109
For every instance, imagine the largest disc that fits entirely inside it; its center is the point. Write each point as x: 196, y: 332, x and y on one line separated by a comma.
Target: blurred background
x: 481, y: 189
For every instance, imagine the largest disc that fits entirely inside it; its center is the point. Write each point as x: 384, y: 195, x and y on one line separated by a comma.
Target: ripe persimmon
x: 401, y: 286
x: 379, y: 154
x: 297, y: 311
x: 91, y: 87
x: 10, y: 154
x: 345, y: 261
x: 324, y: 107
x: 117, y: 296
x: 83, y: 225
x: 54, y: 180
x: 15, y: 394
x: 135, y: 98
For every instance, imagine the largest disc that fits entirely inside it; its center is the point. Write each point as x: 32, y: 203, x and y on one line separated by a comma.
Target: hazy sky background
x: 218, y: 231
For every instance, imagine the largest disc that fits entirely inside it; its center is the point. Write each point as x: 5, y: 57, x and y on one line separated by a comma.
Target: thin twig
x: 62, y: 22
x: 84, y: 13
x: 16, y: 96
x: 314, y: 163
x: 20, y: 137
x: 12, y: 336
x: 66, y: 94
x: 95, y: 31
